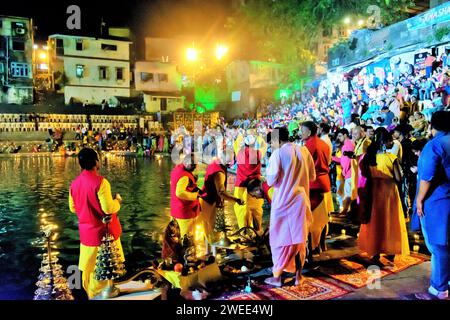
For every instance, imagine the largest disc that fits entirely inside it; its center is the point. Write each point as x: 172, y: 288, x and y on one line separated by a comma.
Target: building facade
x: 16, y: 60
x: 90, y: 70
x: 250, y: 82
x: 160, y: 84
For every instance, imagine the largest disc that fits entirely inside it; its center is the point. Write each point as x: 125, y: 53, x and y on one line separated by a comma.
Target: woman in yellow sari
x: 385, y: 229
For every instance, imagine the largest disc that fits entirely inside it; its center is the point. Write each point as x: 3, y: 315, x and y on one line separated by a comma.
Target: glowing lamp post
x: 191, y: 54
x: 221, y: 51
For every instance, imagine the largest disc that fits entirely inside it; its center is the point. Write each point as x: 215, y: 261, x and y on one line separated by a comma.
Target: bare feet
x: 299, y: 280
x: 273, y: 281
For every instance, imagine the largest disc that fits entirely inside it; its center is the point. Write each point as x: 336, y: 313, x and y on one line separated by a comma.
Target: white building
x: 90, y: 69
x: 16, y: 59
x: 160, y: 84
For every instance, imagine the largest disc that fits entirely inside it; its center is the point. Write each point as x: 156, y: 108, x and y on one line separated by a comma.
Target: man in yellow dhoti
x: 320, y: 188
x: 184, y: 195
x: 90, y: 198
x: 248, y: 167
x: 214, y: 195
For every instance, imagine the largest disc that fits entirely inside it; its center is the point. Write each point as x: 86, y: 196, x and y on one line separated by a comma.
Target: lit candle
x: 343, y: 232
x: 416, y: 248
x: 416, y: 237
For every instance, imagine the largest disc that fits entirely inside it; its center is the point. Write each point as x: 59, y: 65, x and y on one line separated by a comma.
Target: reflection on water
x: 34, y: 193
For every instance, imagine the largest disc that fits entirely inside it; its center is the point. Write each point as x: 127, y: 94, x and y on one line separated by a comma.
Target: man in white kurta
x: 290, y: 170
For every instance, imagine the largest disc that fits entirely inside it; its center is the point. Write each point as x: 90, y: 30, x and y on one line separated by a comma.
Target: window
x: 60, y: 47
x: 18, y: 45
x: 146, y: 76
x: 79, y: 45
x: 79, y: 71
x: 18, y: 29
x: 163, y: 77
x: 20, y: 70
x: 163, y: 104
x: 111, y: 47
x: 103, y: 73
x: 119, y: 73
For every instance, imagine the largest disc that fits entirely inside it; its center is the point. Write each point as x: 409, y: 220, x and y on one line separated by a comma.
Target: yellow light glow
x: 221, y: 51
x: 192, y: 54
x: 360, y: 22
x: 347, y: 20
x: 199, y: 233
x: 43, y: 55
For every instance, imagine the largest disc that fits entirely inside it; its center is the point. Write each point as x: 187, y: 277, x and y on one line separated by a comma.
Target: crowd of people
x: 368, y: 146
x: 380, y: 147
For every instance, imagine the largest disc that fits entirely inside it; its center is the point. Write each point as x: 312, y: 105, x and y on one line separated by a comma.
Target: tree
x: 285, y: 30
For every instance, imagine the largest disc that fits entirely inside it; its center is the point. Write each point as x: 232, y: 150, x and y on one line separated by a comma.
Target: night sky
x: 161, y: 18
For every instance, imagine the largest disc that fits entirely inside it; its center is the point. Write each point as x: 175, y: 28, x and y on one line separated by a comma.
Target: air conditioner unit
x: 20, y: 31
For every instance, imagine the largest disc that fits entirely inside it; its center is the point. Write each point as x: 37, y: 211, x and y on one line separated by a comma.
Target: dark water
x: 34, y: 193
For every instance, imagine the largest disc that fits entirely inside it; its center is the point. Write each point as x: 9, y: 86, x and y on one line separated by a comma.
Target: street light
x: 221, y: 51
x: 192, y: 54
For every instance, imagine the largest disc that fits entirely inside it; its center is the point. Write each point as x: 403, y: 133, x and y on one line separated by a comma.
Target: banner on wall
x: 379, y: 69
x: 419, y: 61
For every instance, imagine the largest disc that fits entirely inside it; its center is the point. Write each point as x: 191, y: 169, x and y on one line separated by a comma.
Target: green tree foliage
x: 285, y: 30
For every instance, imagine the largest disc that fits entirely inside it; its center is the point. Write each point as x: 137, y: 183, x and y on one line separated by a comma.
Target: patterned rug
x: 404, y: 262
x: 311, y: 289
x: 356, y: 273
x: 352, y: 273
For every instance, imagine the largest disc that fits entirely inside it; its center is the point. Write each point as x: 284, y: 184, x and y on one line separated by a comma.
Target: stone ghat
x: 26, y: 122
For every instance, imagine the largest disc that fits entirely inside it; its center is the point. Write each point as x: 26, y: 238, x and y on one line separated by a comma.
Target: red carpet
x: 311, y: 289
x: 357, y: 275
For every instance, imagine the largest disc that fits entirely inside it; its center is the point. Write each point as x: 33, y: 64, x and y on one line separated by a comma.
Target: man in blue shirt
x: 387, y: 116
x: 433, y: 203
